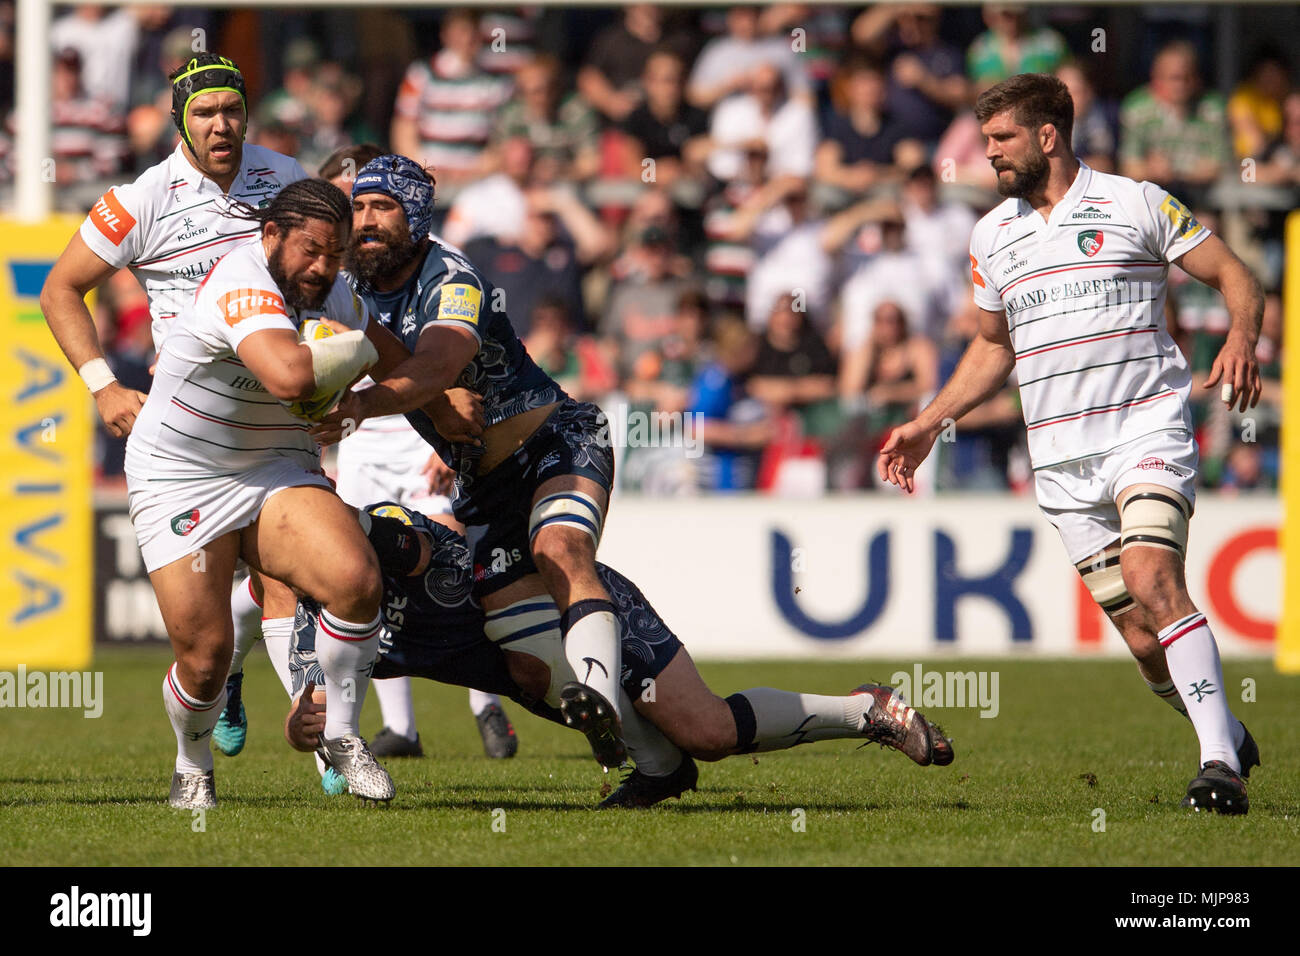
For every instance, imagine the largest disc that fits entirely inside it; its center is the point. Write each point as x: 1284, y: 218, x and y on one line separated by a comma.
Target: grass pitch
x: 1071, y: 738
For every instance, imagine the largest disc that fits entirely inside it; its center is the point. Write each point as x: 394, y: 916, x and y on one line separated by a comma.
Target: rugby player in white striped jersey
x: 169, y: 227
x: 1069, y: 273
x: 220, y: 466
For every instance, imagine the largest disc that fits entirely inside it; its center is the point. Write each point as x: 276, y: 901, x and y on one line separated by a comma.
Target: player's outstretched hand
x: 903, y: 453
x: 118, y: 406
x: 441, y: 478
x: 305, y: 721
x: 458, y: 415
x: 1238, y: 368
x: 341, y: 422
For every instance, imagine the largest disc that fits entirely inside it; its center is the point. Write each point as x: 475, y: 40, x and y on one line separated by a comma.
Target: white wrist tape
x: 96, y: 374
x: 338, y: 359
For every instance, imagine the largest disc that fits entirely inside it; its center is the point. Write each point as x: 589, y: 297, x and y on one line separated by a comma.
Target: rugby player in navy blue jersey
x: 533, y: 489
x: 434, y: 628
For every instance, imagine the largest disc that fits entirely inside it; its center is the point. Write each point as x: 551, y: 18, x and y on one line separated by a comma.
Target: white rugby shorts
x: 1078, y: 497
x: 363, y: 479
x: 174, y: 519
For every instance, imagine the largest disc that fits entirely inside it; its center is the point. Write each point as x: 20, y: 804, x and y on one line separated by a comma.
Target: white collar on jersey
x: 181, y: 168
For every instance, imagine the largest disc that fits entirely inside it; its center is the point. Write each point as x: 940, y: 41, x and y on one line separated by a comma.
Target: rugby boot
x: 588, y: 712
x: 389, y: 743
x: 193, y: 791
x: 639, y: 790
x: 499, y: 740
x: 232, y: 726
x: 892, y: 723
x: 366, y: 779
x: 1217, y: 790
x: 1247, y: 753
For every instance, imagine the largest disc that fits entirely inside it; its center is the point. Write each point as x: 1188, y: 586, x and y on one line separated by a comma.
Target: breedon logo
x: 1090, y: 241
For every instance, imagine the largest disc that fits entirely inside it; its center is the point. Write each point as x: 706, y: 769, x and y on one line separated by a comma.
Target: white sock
x: 480, y: 701
x: 783, y: 719
x: 277, y: 632
x: 1169, y: 694
x: 192, y: 720
x: 247, y: 616
x: 592, y: 646
x: 653, y: 753
x: 396, y: 706
x: 346, y: 652
x: 1193, y: 660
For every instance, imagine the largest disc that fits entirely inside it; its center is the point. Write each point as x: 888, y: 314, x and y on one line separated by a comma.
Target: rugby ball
x: 319, y: 405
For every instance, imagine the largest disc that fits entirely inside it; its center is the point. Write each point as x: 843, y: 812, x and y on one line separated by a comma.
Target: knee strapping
x: 1154, y: 517
x: 572, y: 509
x: 1105, y: 582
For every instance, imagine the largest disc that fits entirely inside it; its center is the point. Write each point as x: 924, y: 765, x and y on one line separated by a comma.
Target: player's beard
x: 1027, y: 179
x: 299, y: 296
x: 379, y: 260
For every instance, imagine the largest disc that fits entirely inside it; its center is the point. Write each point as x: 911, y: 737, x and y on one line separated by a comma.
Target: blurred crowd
x: 750, y: 223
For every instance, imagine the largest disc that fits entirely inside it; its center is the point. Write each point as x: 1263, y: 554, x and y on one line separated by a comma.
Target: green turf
x: 1071, y: 737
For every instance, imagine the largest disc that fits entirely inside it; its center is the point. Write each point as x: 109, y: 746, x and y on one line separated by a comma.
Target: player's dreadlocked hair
x: 296, y: 203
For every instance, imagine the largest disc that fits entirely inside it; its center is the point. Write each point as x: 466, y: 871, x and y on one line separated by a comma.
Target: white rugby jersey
x: 168, y: 226
x: 207, y: 415
x: 1084, y: 297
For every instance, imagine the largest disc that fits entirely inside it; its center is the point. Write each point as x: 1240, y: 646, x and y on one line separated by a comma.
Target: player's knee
x: 531, y: 674
x: 357, y: 583
x: 564, y: 529
x: 203, y: 671
x: 712, y: 736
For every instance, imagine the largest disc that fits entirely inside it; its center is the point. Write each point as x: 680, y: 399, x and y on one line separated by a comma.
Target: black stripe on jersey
x: 1091, y: 307
x: 1011, y: 243
x: 177, y: 212
x: 173, y: 253
x: 1090, y: 335
x: 208, y: 416
x: 1087, y: 368
x: 1066, y: 266
x: 1097, y: 408
x: 238, y: 398
x: 218, y: 444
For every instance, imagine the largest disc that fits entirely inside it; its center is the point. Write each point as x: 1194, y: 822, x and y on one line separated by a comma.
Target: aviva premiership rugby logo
x: 185, y: 522
x: 1090, y: 241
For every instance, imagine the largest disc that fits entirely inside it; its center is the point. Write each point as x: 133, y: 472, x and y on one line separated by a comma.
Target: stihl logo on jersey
x: 185, y: 522
x: 245, y: 303
x: 1090, y: 242
x: 111, y: 218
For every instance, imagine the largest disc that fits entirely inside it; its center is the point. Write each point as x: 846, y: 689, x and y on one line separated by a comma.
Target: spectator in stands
x: 733, y: 428
x: 892, y: 371
x: 791, y: 257
x: 1011, y: 46
x: 863, y: 143
x: 550, y: 343
x: 150, y: 130
x: 447, y: 105
x: 726, y: 64
x: 939, y: 233
x: 927, y: 79
x: 544, y: 261
x: 1255, y: 108
x: 1281, y: 166
x: 608, y: 79
x: 495, y: 205
x: 88, y: 135
x: 563, y: 129
x: 1172, y: 132
x: 897, y: 274
x: 664, y: 127
x: 106, y: 41
x: 641, y: 309
x: 1094, y: 138
x: 793, y: 368
x: 785, y: 124
x: 728, y: 255
x: 662, y: 378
